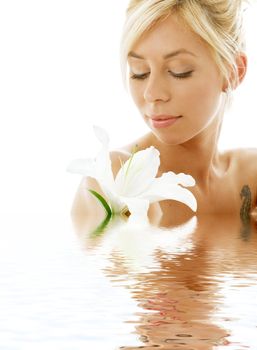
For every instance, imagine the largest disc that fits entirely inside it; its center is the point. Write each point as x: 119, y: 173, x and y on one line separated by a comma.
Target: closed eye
x: 175, y: 75
x: 139, y: 76
x: 181, y: 75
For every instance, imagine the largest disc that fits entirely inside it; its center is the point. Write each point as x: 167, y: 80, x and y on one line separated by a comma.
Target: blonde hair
x: 218, y: 22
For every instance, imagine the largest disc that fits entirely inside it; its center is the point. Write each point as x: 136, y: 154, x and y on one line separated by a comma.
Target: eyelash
x: 176, y: 76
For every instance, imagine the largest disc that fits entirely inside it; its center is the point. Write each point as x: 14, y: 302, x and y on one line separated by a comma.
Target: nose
x: 156, y: 89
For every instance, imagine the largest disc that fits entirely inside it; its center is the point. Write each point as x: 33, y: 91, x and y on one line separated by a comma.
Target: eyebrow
x: 169, y: 55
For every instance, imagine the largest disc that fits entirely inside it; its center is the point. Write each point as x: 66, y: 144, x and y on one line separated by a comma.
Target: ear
x: 241, y: 62
x: 237, y: 78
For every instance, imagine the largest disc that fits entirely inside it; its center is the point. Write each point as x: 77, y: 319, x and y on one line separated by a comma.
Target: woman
x: 185, y: 59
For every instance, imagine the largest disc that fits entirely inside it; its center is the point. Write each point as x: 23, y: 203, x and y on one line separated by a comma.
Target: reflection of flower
x: 138, y: 245
x: 135, y: 185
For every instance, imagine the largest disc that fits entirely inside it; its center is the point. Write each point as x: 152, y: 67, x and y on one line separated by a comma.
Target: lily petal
x: 103, y: 166
x: 138, y: 208
x: 115, y: 201
x: 166, y: 187
x: 138, y: 172
x: 102, y: 136
x: 181, y: 178
x: 84, y: 167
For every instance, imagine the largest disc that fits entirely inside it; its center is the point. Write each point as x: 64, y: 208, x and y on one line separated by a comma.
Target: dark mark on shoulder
x: 247, y: 203
x: 245, y: 211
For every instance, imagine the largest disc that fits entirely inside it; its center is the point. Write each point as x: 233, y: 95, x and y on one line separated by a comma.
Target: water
x: 191, y: 287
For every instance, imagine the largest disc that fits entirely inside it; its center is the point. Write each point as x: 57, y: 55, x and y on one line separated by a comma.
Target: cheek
x: 203, y: 99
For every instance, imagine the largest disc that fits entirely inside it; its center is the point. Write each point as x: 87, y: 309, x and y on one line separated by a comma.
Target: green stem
x: 102, y: 226
x: 103, y: 201
x: 130, y: 159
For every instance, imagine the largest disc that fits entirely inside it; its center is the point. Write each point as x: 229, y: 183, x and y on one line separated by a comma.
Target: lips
x: 163, y: 117
x: 162, y: 121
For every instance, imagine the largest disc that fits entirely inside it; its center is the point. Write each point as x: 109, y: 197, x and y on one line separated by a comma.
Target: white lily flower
x: 135, y: 185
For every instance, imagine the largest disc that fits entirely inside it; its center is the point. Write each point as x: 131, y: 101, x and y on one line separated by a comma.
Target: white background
x: 59, y: 75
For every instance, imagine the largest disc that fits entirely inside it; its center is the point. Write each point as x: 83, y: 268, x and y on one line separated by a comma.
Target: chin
x: 169, y: 139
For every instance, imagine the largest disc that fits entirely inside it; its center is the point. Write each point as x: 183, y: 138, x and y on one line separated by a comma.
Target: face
x: 174, y: 82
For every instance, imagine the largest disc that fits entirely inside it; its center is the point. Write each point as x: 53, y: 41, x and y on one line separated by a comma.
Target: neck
x: 198, y: 157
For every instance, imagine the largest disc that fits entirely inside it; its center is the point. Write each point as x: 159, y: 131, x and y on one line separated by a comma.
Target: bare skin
x: 188, y: 88
x: 221, y: 193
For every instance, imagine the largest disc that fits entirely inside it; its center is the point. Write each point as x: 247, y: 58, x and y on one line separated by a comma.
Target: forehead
x: 169, y: 35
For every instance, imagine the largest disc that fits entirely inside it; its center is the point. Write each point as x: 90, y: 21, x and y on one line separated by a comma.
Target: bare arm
x: 84, y: 203
x: 87, y: 212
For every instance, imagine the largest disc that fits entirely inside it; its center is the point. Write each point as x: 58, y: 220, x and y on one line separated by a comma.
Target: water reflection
x: 195, y: 283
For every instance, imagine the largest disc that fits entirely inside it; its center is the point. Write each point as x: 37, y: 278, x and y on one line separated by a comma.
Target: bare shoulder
x: 118, y: 157
x: 243, y: 164
x: 139, y: 144
x: 245, y: 157
x: 244, y: 169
